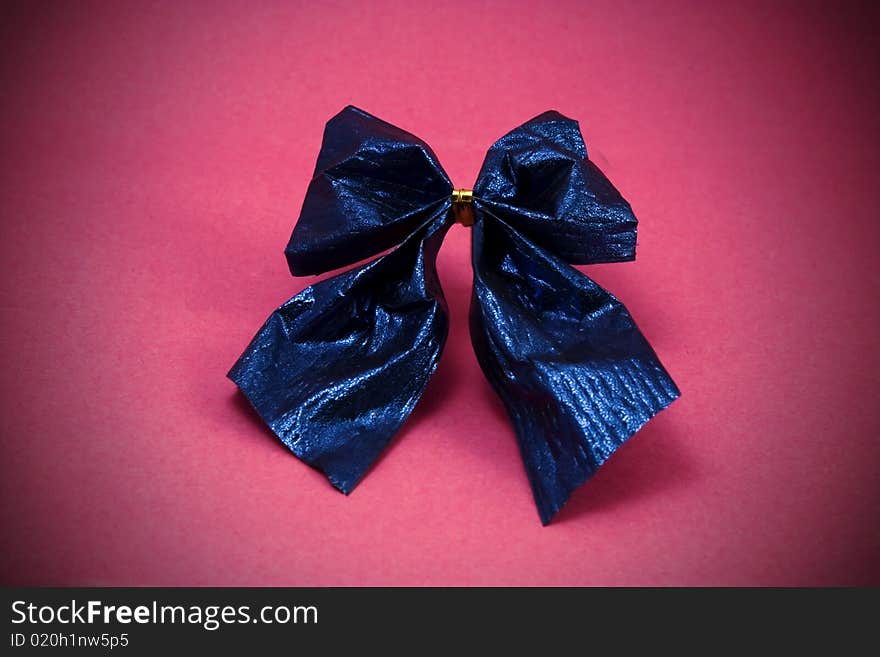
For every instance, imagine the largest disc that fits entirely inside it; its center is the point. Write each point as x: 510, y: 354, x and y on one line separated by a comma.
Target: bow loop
x: 374, y: 184
x: 539, y: 179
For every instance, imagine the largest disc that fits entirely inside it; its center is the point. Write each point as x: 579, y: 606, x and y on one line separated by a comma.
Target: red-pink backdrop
x: 154, y: 159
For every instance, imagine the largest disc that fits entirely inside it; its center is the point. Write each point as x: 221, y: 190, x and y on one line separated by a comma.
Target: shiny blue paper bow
x: 337, y: 369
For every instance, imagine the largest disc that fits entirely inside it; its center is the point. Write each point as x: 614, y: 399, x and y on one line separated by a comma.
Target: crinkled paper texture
x: 337, y: 369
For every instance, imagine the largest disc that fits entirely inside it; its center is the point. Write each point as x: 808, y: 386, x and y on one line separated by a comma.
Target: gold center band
x: 463, y: 206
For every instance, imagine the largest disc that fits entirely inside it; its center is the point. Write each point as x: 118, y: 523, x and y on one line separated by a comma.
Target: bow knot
x: 462, y: 202
x: 337, y: 369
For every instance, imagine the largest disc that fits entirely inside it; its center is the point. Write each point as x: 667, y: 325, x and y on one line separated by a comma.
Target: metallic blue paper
x: 539, y: 180
x: 337, y: 369
x: 374, y: 184
x: 576, y: 375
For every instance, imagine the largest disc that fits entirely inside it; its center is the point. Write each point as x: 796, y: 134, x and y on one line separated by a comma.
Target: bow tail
x: 336, y: 370
x: 566, y: 358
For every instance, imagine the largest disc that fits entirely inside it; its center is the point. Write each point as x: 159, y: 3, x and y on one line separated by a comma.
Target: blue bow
x: 337, y: 369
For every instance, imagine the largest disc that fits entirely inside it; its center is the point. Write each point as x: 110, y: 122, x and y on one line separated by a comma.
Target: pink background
x: 154, y: 159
